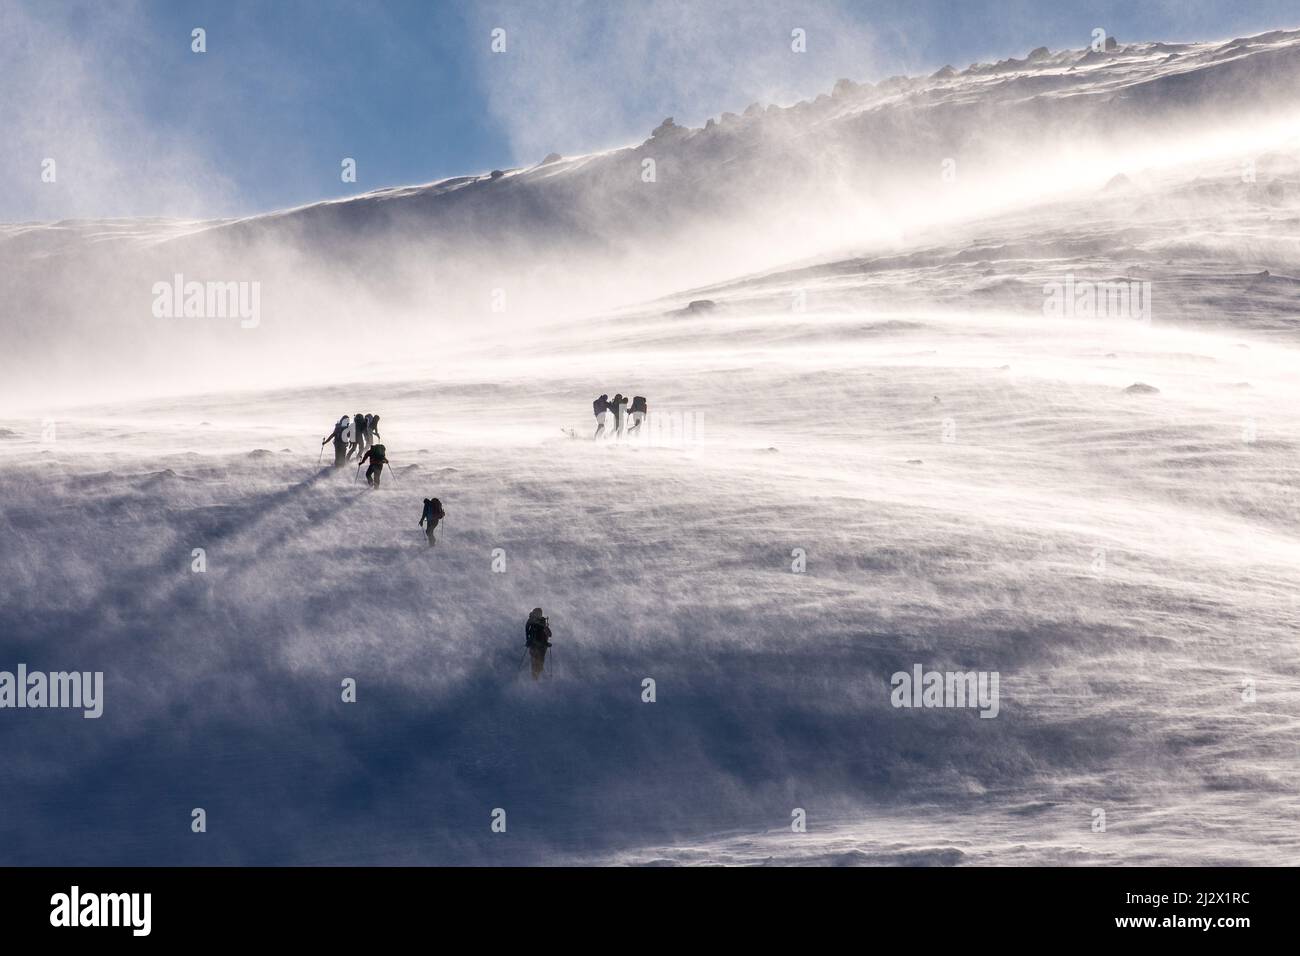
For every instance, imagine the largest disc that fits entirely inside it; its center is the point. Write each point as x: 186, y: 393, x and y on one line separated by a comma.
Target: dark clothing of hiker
x: 430, y: 517
x: 537, y: 638
x: 340, y: 447
x: 620, y: 413
x: 357, y: 446
x: 367, y: 431
x: 374, y: 429
x: 377, y: 460
x: 601, y: 407
x: 638, y: 413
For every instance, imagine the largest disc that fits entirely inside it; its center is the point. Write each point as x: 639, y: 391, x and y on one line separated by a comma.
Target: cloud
x: 68, y: 96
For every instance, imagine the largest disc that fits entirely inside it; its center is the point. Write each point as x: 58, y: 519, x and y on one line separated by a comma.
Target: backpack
x: 378, y: 453
x: 436, y: 509
x: 537, y: 631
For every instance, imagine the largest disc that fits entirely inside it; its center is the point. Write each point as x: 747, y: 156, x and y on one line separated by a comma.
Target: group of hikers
x: 615, y: 412
x: 358, y: 435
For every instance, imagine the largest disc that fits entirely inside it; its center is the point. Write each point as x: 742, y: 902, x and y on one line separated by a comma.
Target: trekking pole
x: 393, y: 472
x: 358, y: 474
x: 321, y: 456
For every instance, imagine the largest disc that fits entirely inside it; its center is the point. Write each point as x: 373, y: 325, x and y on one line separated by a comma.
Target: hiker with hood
x: 430, y: 517
x: 638, y: 412
x: 374, y: 429
x: 377, y: 456
x: 340, y: 445
x: 619, y: 405
x: 601, y: 407
x: 356, y: 446
x: 537, y: 638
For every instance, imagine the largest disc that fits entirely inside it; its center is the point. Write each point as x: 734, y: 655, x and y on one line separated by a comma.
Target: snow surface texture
x: 973, y: 483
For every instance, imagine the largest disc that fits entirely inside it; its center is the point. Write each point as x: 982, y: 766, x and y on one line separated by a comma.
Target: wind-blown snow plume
x: 420, y: 268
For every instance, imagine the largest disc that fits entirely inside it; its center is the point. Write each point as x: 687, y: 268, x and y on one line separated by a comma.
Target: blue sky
x: 141, y: 125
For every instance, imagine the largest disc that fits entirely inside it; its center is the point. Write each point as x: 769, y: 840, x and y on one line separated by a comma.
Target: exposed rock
x: 667, y: 127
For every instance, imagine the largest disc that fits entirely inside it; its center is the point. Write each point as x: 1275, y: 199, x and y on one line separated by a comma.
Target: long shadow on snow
x: 288, y: 773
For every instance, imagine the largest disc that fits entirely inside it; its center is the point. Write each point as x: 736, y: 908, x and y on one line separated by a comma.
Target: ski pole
x: 358, y: 474
x: 321, y: 456
x: 393, y: 472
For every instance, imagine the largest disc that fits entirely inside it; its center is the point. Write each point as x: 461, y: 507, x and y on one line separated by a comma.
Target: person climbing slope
x: 430, y: 517
x: 601, y: 407
x: 340, y: 446
x: 620, y: 413
x: 377, y: 456
x: 638, y: 412
x: 354, y: 436
x: 367, y: 431
x: 537, y: 638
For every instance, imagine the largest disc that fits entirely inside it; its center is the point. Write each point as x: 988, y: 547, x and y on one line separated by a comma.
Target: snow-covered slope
x: 971, y: 480
x: 413, y: 268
